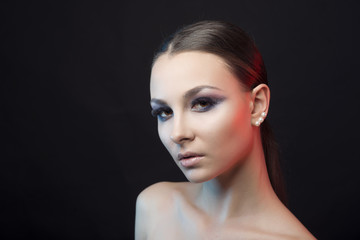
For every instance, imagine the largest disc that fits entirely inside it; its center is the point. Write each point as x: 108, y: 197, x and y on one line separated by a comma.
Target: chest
x: 193, y: 225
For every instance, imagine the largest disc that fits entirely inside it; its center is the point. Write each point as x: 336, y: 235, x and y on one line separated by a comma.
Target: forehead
x: 175, y: 74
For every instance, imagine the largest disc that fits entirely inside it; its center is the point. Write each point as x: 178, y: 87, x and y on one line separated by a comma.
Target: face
x: 204, y: 114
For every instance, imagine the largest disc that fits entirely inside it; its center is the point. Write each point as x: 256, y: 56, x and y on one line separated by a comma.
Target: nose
x: 181, y: 132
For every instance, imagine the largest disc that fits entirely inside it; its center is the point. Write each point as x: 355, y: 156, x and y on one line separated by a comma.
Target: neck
x: 242, y: 191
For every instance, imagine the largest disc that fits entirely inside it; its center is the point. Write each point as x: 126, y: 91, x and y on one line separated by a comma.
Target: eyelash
x: 158, y: 111
x: 209, y: 102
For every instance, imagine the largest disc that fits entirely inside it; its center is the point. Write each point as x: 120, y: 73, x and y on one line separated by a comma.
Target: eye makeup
x: 205, y: 103
x: 199, y: 104
x: 161, y: 112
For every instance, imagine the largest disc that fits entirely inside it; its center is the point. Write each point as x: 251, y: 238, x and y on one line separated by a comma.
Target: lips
x: 189, y: 159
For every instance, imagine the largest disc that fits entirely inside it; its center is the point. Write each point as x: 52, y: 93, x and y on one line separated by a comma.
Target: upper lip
x: 188, y: 154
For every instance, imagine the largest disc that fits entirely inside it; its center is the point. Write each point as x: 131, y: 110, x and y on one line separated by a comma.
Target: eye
x: 204, y: 104
x: 162, y: 113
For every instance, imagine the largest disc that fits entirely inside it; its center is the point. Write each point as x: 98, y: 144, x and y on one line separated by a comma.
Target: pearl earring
x: 261, y: 119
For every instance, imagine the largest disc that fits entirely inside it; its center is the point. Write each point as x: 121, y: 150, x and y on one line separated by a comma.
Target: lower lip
x: 190, y: 162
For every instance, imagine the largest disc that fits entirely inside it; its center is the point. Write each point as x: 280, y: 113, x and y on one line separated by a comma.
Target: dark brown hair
x: 244, y: 60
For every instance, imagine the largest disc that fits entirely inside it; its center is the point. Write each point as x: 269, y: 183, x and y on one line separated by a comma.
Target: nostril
x: 180, y: 132
x: 179, y: 139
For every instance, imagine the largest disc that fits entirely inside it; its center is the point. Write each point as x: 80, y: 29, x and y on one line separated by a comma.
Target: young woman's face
x: 204, y: 114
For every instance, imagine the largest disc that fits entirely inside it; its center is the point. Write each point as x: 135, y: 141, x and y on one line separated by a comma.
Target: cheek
x: 228, y: 133
x: 164, y: 136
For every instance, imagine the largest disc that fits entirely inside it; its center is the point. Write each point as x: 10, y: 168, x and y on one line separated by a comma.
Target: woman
x: 209, y: 92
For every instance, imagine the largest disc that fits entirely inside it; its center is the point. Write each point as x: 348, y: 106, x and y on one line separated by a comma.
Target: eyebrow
x: 187, y: 95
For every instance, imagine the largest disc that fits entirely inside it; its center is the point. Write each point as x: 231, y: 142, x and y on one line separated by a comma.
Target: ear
x: 260, y: 99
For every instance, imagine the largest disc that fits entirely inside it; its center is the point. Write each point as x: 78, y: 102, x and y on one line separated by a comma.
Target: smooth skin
x: 202, y: 108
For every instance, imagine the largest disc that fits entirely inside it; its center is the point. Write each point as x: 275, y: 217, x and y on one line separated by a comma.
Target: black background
x: 78, y: 142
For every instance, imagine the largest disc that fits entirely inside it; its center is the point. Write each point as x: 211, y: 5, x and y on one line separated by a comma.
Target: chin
x: 197, y: 176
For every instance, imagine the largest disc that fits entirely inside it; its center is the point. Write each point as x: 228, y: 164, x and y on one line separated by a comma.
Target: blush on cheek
x: 233, y: 135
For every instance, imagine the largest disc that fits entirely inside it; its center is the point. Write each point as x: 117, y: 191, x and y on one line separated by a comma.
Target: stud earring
x: 261, y: 119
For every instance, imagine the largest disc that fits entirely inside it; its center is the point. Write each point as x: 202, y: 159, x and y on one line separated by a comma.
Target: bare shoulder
x: 160, y: 193
x: 233, y: 232
x: 273, y: 221
x: 160, y: 187
x: 285, y: 222
x: 155, y: 203
x: 278, y: 226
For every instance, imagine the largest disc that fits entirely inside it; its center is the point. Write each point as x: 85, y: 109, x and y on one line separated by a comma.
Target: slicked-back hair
x: 244, y: 60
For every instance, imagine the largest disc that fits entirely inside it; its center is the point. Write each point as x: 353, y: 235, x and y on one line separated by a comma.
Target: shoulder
x: 283, y: 221
x: 157, y: 188
x: 154, y: 194
x: 245, y: 232
x: 275, y: 230
x: 162, y: 195
x: 153, y: 203
x: 273, y: 221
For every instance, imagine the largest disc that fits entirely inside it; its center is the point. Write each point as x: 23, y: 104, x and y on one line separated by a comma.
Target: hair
x: 244, y: 60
